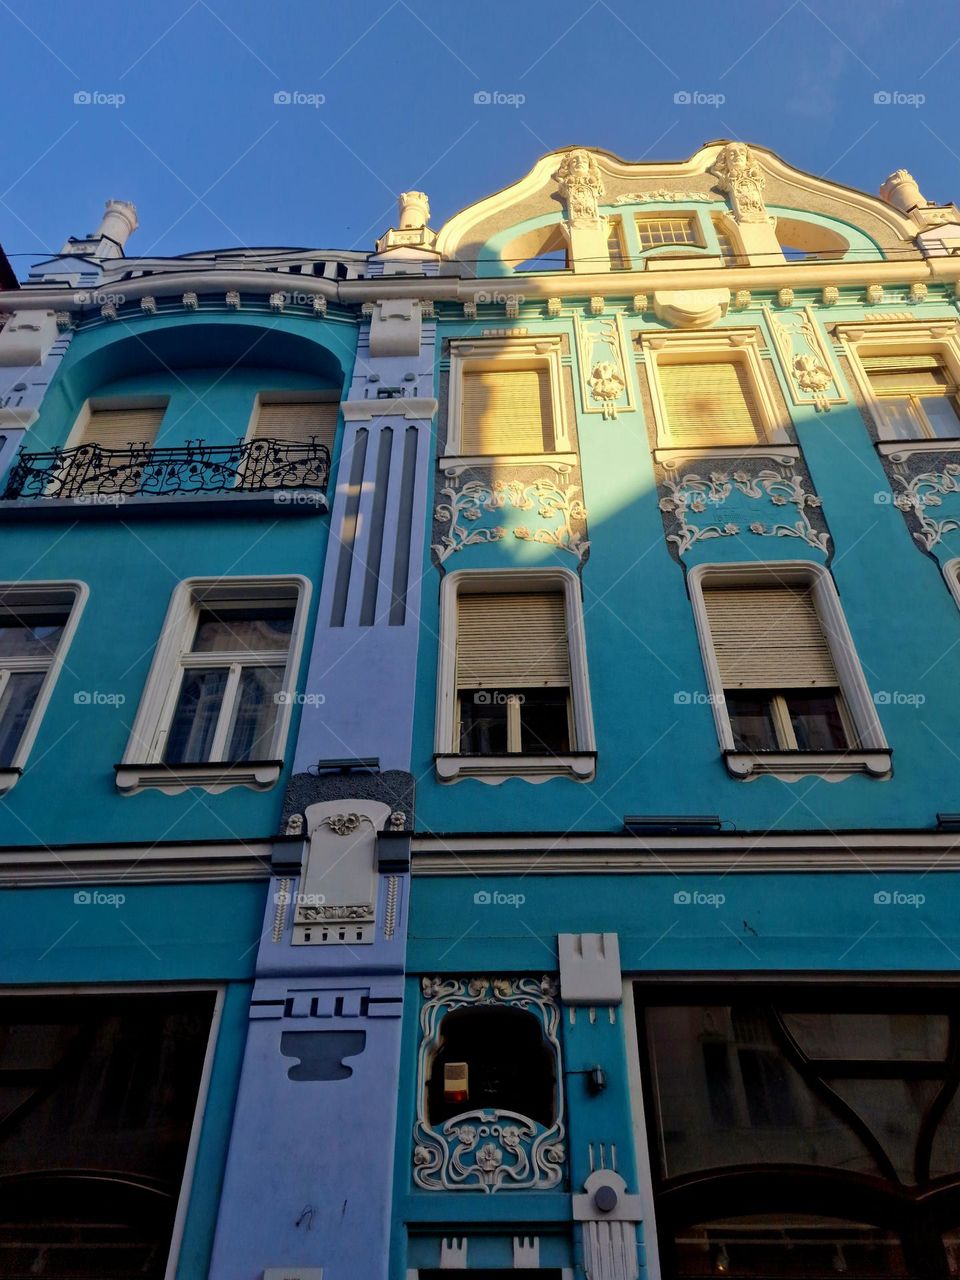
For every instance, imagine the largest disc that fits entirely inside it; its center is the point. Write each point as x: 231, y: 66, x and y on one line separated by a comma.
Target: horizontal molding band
x: 862, y: 852
x: 163, y: 864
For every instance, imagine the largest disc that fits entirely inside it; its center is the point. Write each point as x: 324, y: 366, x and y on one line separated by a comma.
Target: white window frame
x: 872, y: 754
x: 142, y: 765
x: 738, y: 346
x: 580, y: 761
x: 690, y: 216
x: 542, y: 351
x: 43, y: 595
x: 933, y: 337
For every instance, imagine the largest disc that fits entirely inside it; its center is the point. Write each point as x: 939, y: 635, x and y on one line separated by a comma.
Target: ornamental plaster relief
x: 700, y: 506
x: 604, y: 385
x: 806, y: 361
x: 485, y: 1149
x: 459, y: 519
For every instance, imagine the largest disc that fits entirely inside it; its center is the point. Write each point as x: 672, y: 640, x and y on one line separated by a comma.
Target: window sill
x: 173, y: 780
x: 452, y: 464
x: 791, y: 766
x: 241, y: 503
x: 9, y: 777
x: 669, y: 456
x: 899, y: 450
x: 579, y: 765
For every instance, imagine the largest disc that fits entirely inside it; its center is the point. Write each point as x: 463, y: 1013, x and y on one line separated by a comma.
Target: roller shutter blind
x: 710, y: 404
x: 769, y: 638
x: 297, y: 421
x: 512, y: 640
x: 506, y: 411
x: 119, y: 428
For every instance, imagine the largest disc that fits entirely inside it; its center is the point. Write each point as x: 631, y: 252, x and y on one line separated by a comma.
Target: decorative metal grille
x: 190, y: 468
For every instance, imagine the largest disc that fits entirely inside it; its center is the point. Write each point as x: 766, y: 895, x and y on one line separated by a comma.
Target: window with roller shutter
x: 123, y: 434
x: 916, y: 395
x: 513, y: 673
x: 506, y: 411
x: 780, y: 683
x: 710, y: 404
x: 296, y: 426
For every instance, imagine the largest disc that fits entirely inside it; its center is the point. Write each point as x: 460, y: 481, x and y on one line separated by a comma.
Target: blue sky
x: 212, y: 160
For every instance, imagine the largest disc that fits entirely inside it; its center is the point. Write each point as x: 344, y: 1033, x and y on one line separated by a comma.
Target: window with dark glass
x: 513, y: 674
x: 780, y: 685
x: 98, y: 1096
x: 231, y: 685
x: 30, y: 633
x: 500, y: 1061
x: 797, y: 1132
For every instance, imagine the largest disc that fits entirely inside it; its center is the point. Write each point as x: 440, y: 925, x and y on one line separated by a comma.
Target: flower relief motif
x: 490, y: 1157
x: 607, y: 385
x: 465, y: 505
x: 693, y: 494
x: 928, y: 490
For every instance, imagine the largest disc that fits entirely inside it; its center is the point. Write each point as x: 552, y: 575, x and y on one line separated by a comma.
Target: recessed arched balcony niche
x: 489, y: 1096
x: 196, y: 408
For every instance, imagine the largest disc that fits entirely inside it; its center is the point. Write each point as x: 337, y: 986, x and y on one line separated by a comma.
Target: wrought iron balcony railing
x: 190, y: 468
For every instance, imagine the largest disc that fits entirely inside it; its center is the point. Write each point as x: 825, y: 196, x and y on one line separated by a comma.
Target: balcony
x: 280, y: 475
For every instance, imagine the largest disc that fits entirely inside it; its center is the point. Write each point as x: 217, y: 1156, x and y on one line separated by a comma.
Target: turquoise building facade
x: 480, y: 757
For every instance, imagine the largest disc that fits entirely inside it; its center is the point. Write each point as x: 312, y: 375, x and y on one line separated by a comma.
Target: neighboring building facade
x: 526, y: 849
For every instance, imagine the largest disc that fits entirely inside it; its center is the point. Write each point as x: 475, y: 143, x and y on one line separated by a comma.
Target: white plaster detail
x: 596, y: 305
x: 639, y: 303
x: 470, y: 309
x: 874, y: 294
x: 148, y: 305
x: 108, y: 311
x: 604, y: 385
x: 395, y: 328
x: 919, y: 492
x: 806, y: 360
x: 511, y: 308
x: 829, y: 295
x: 590, y: 968
x: 690, y: 308
x: 743, y: 299
x: 340, y: 878
x: 214, y: 777
x: 553, y: 307
x: 526, y: 1253
x: 232, y: 300
x: 512, y: 350
x: 662, y: 195
x: 453, y: 1254
x: 27, y: 337
x: 470, y: 501
x: 484, y: 1149
x: 918, y: 291
x: 691, y: 493
x: 581, y: 187
x: 278, y: 301
x: 743, y: 181
x: 319, y: 305
x: 414, y: 407
x: 785, y: 297
x: 191, y: 302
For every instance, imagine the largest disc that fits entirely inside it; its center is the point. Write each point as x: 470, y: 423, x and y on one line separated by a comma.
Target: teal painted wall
x: 163, y: 934
x: 660, y: 755
x: 211, y: 366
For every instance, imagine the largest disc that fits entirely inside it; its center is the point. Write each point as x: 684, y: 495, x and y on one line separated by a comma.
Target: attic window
x: 494, y: 1058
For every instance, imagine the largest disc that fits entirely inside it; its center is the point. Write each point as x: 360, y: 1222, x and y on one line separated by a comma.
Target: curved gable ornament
x: 743, y: 181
